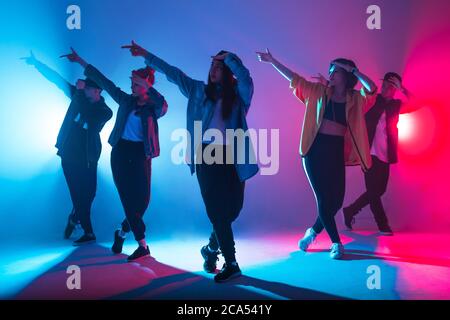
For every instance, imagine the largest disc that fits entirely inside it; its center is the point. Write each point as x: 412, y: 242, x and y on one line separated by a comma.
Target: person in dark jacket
x: 79, y: 145
x: 381, y: 121
x: 135, y: 141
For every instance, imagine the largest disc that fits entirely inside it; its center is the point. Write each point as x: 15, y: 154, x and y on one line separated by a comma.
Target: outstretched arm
x: 173, y: 74
x: 281, y: 68
x: 91, y: 72
x: 51, y: 75
x: 302, y: 87
x: 321, y: 79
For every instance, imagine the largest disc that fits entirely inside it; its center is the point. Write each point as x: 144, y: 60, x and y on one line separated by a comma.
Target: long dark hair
x: 351, y: 79
x: 228, y: 93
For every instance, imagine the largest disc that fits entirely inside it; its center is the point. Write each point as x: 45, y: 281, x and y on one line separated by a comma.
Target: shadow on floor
x: 108, y: 276
x: 370, y: 242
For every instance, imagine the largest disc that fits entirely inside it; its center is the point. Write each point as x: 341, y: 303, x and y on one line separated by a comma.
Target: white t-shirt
x: 133, y: 128
x: 379, y: 144
x: 217, y: 122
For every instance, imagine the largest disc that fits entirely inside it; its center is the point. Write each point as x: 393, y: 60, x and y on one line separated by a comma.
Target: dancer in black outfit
x: 381, y: 121
x: 79, y: 145
x: 135, y: 141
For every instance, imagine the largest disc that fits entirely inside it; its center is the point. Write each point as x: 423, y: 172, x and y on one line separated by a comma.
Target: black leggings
x: 324, y: 164
x: 82, y: 182
x: 132, y: 173
x: 223, y: 195
x: 376, y: 180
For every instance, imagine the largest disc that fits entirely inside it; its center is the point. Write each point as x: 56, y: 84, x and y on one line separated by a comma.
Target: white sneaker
x: 308, y: 238
x: 336, y: 251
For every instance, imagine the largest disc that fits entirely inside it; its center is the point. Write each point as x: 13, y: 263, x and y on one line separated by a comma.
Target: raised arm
x: 92, y: 73
x: 366, y: 82
x: 244, y: 80
x: 368, y: 92
x: 159, y: 102
x: 411, y: 104
x: 96, y: 116
x: 173, y: 74
x: 302, y: 87
x: 51, y: 75
x: 281, y: 68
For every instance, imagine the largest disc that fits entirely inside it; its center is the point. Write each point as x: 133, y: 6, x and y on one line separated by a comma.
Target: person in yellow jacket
x: 334, y: 135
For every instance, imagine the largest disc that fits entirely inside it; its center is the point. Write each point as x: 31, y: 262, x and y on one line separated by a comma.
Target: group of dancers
x: 342, y: 126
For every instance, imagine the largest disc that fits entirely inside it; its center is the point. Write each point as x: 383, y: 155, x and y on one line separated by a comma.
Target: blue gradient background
x: 306, y: 35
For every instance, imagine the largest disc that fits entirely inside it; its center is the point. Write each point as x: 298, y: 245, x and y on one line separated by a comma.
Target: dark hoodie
x: 84, y: 120
x: 79, y: 137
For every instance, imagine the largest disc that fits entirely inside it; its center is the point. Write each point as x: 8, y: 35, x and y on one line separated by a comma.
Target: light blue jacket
x: 199, y: 108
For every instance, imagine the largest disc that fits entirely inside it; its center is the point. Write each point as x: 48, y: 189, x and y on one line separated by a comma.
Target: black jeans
x: 376, y: 180
x: 82, y: 182
x: 324, y: 164
x: 223, y: 195
x: 132, y: 173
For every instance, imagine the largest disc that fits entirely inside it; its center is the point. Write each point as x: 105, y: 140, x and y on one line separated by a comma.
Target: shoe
x: 118, y: 243
x: 140, y: 252
x: 228, y: 272
x: 70, y: 226
x: 336, y: 251
x: 211, y: 258
x: 349, y: 218
x: 85, y: 239
x: 308, y: 238
x: 386, y: 232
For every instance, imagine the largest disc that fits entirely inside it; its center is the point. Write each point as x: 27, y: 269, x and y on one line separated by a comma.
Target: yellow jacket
x: 313, y: 95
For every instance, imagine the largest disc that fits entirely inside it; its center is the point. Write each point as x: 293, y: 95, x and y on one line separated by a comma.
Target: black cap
x: 91, y: 83
x: 390, y: 75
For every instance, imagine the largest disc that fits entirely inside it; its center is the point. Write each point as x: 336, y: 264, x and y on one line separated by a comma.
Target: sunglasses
x: 331, y: 69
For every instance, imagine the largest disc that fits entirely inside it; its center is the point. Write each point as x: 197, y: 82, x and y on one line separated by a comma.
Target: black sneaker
x: 386, y: 232
x: 85, y: 239
x: 228, y: 272
x: 118, y: 243
x: 140, y: 252
x: 349, y: 218
x: 70, y: 226
x: 211, y: 258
